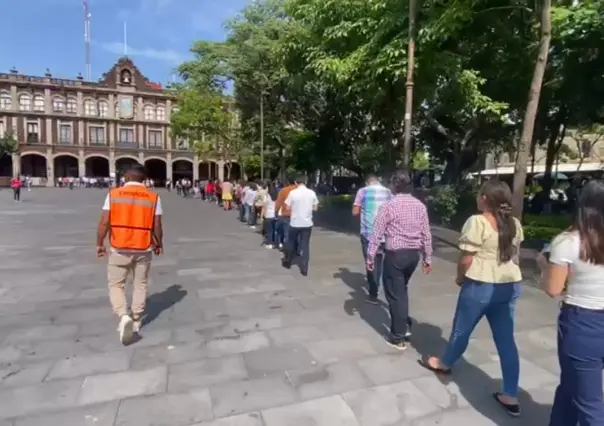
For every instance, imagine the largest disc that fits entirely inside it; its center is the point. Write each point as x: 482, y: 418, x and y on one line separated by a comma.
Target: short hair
x: 301, y: 179
x: 291, y: 180
x: 136, y: 172
x: 400, y: 182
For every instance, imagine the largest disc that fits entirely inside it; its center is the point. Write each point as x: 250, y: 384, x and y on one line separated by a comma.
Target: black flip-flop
x: 512, y: 409
x: 424, y: 363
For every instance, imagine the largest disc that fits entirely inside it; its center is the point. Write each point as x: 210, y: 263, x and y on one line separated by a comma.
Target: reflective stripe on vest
x: 131, y: 217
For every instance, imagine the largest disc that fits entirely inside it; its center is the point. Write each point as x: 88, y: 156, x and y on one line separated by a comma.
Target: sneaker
x: 372, y: 300
x: 280, y: 246
x: 252, y: 227
x: 408, y: 334
x: 126, y: 329
x: 396, y: 344
x: 136, y: 326
x: 269, y: 246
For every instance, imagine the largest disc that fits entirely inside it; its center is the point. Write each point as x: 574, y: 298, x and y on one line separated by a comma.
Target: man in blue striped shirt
x: 366, y: 204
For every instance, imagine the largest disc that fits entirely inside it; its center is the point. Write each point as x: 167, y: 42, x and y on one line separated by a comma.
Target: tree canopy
x: 327, y: 80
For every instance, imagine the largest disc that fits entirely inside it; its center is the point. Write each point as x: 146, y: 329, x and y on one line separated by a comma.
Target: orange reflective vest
x: 131, y: 216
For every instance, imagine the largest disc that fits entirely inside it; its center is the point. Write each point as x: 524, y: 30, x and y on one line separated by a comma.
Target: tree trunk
x: 532, y: 107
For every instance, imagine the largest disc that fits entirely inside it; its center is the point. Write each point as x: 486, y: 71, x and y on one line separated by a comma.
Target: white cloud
x: 166, y: 55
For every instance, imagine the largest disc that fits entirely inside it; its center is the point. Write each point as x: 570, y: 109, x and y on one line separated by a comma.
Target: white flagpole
x: 125, y: 39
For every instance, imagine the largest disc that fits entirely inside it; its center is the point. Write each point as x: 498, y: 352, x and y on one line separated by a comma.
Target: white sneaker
x: 269, y: 246
x: 126, y: 329
x: 280, y: 246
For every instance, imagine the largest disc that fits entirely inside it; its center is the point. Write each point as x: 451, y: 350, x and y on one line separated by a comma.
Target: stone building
x: 76, y: 128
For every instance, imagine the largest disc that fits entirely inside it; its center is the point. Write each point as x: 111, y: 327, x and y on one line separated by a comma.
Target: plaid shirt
x: 370, y: 199
x: 404, y: 221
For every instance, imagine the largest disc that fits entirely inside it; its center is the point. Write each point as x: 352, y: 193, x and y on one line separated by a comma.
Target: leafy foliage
x: 8, y: 144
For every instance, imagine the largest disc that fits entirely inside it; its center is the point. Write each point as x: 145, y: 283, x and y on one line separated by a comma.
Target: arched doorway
x: 208, y: 170
x: 232, y: 171
x: 34, y: 165
x: 65, y: 166
x: 6, y: 165
x: 156, y: 170
x: 182, y: 169
x: 124, y: 163
x: 97, y: 167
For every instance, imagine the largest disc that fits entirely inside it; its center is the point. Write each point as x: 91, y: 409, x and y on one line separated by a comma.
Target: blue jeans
x: 373, y: 277
x: 248, y: 213
x: 269, y: 230
x: 578, y: 397
x: 498, y: 303
x: 282, y: 229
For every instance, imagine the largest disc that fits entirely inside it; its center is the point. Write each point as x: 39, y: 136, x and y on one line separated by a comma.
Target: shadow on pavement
x: 159, y: 302
x: 475, y: 386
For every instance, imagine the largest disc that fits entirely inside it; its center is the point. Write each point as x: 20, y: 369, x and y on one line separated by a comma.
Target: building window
x: 39, y: 103
x: 5, y: 101
x: 33, y: 132
x: 103, y: 109
x: 24, y: 103
x: 161, y: 113
x: 58, y: 105
x: 97, y: 135
x: 127, y: 136
x: 65, y: 134
x: 90, y: 108
x: 155, y: 139
x: 149, y: 112
x: 72, y: 105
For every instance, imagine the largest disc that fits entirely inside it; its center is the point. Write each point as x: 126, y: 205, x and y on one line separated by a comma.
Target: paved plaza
x: 232, y: 338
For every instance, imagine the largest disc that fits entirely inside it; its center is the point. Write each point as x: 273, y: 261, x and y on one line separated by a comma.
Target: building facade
x: 76, y: 128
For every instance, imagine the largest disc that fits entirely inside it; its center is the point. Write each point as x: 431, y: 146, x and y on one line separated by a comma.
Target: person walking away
x: 366, y: 204
x: 132, y: 218
x: 576, y: 262
x: 28, y: 182
x: 210, y: 191
x: 404, y: 223
x: 241, y: 197
x: 16, y: 184
x: 249, y: 198
x: 268, y: 213
x: 218, y: 186
x: 259, y: 203
x: 300, y: 203
x: 178, y: 185
x: 282, y: 213
x: 227, y: 194
x: 489, y: 277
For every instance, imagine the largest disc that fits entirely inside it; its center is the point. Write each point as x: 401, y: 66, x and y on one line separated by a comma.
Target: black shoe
x: 396, y: 344
x: 373, y: 300
x: 304, y: 273
x: 512, y: 409
x: 286, y: 264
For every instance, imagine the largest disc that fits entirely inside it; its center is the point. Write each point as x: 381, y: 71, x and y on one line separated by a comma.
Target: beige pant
x: 120, y: 265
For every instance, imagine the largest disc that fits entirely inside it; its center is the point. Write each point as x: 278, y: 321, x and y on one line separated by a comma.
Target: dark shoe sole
x: 512, y: 409
x: 398, y: 347
x: 424, y: 363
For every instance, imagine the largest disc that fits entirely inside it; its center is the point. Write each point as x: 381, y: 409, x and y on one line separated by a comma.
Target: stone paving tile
x: 88, y: 365
x: 300, y: 334
x: 328, y: 380
x: 93, y: 415
x: 334, y: 350
x: 328, y: 411
x: 237, y: 344
x: 267, y: 361
x: 43, y: 332
x: 55, y: 395
x: 166, y: 410
x: 23, y: 375
x: 173, y: 353
x: 389, y: 404
x: 391, y: 368
x: 251, y: 395
x: 206, y: 373
x: 250, y: 419
x: 107, y: 387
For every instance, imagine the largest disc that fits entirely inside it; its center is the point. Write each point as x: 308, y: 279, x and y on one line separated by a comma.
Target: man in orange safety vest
x: 132, y: 218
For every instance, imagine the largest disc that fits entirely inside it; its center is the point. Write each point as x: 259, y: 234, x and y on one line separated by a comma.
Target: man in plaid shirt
x: 404, y: 222
x: 366, y: 204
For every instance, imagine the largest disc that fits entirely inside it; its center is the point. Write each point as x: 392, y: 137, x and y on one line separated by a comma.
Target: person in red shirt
x: 210, y: 191
x: 16, y: 185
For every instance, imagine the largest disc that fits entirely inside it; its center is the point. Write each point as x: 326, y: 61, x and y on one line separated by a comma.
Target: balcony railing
x: 98, y: 142
x: 65, y: 142
x: 126, y: 145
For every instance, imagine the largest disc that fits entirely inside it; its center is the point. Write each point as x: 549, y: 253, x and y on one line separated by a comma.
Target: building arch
x: 6, y: 165
x: 207, y: 170
x: 182, y: 168
x: 65, y: 165
x: 189, y: 160
x: 157, y: 169
x: 33, y: 164
x: 65, y: 154
x: 126, y: 156
x: 155, y: 157
x: 96, y: 165
x: 106, y: 157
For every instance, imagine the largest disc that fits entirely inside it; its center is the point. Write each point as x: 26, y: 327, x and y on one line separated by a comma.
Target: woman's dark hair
x: 498, y: 200
x: 589, y: 222
x: 400, y: 182
x: 272, y: 190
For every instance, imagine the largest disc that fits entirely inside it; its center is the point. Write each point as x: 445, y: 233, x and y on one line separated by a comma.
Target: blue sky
x: 50, y: 33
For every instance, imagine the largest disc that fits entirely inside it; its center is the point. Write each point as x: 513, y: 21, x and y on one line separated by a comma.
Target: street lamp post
x: 262, y: 135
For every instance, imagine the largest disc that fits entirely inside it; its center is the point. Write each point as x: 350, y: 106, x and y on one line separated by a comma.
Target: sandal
x: 425, y: 362
x: 512, y: 409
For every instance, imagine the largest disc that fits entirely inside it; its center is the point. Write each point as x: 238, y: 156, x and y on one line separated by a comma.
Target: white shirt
x: 585, y: 287
x: 158, y: 212
x: 249, y: 197
x: 301, y: 202
x: 270, y: 207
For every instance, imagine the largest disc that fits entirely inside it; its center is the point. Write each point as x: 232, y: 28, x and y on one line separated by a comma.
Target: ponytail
x: 506, y: 225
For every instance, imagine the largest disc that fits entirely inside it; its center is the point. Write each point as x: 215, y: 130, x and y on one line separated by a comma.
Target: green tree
x: 8, y: 144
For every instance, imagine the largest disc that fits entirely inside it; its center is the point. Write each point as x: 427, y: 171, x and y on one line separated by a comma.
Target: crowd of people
x: 395, y: 239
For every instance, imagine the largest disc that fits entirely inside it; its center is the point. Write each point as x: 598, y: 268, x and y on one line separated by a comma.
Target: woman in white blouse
x: 576, y: 263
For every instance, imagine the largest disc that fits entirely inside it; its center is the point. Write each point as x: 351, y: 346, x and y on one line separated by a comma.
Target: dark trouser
x: 242, y: 212
x: 578, y: 397
x: 16, y: 194
x: 373, y: 277
x: 399, y: 265
x: 282, y: 229
x: 298, y: 242
x: 269, y: 230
